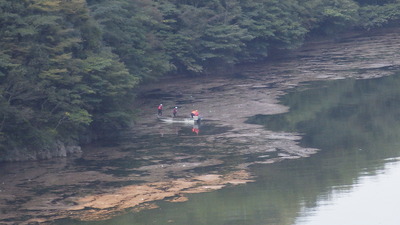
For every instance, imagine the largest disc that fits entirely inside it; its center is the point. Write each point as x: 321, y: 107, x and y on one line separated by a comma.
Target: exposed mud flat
x: 254, y: 89
x: 156, y: 161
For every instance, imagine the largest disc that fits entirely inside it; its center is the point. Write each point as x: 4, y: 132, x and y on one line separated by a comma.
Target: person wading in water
x: 160, y: 107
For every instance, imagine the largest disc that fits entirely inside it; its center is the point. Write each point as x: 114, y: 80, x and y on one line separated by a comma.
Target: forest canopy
x: 69, y: 67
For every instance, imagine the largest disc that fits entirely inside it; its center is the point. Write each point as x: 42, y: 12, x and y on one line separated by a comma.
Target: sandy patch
x: 106, y: 205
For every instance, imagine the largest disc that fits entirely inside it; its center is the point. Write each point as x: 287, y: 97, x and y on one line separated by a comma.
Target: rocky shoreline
x: 41, y: 192
x: 58, y: 149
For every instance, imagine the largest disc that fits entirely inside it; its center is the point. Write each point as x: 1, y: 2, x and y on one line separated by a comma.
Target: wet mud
x: 158, y: 161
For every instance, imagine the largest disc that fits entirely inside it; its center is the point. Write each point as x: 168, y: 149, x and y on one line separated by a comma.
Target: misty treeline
x: 69, y: 68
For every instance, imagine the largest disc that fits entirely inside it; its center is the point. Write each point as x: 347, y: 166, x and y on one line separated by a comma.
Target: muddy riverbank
x: 255, y: 89
x: 158, y: 161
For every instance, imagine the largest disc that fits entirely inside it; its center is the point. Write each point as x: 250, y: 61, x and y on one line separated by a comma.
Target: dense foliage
x: 69, y: 67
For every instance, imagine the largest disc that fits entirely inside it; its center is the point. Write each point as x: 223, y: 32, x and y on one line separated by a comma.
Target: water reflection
x: 370, y: 203
x: 344, y: 115
x: 196, y: 128
x: 356, y: 125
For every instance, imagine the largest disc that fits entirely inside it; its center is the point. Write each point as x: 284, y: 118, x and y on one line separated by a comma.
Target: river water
x: 313, y: 138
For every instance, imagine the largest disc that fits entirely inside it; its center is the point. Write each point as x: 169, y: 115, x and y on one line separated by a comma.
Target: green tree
x: 130, y: 29
x: 57, y: 79
x: 373, y: 16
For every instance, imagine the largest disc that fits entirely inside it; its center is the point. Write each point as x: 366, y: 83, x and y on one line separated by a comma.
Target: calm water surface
x: 353, y: 180
x: 372, y: 201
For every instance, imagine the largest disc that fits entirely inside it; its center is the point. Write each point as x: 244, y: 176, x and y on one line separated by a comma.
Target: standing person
x: 175, y: 111
x: 160, y: 107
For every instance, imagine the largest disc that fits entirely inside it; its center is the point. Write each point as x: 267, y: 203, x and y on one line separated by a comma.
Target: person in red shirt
x: 160, y: 108
x: 194, y: 113
x: 175, y: 111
